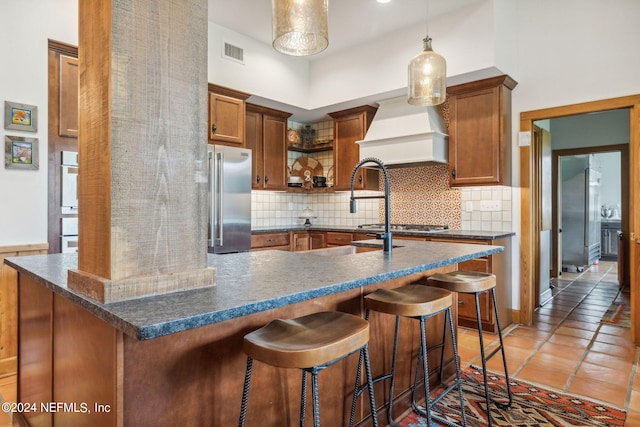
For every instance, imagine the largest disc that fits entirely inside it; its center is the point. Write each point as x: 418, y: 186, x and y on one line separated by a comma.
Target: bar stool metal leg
x: 245, y: 392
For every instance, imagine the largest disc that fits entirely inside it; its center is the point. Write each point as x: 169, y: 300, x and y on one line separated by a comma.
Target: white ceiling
x: 351, y: 22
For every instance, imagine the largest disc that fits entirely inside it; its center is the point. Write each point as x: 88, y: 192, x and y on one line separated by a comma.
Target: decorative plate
x: 292, y: 136
x: 330, y: 177
x: 306, y: 168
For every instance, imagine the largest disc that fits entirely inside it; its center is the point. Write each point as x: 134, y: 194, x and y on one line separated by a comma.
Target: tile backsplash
x: 419, y: 195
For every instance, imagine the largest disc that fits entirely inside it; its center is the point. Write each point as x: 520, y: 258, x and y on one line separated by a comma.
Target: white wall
x: 25, y: 27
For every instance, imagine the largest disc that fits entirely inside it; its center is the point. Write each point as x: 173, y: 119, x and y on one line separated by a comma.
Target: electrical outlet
x: 490, y: 205
x: 468, y: 206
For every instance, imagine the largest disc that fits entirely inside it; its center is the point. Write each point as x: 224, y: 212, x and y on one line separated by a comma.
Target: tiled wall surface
x: 419, y: 195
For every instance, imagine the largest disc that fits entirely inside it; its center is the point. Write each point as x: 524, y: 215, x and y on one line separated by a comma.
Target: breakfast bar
x: 176, y: 359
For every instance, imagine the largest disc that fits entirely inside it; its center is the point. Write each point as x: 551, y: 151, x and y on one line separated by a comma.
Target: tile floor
x: 568, y: 349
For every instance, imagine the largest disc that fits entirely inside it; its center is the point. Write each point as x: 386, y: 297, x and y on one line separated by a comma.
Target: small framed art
x: 20, y: 116
x: 20, y: 153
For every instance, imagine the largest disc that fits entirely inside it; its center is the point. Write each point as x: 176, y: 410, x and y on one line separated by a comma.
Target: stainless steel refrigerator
x: 580, y: 211
x: 229, y: 199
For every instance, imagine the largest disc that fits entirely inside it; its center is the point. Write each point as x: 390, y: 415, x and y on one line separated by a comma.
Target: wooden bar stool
x: 476, y: 283
x: 310, y: 343
x: 417, y: 302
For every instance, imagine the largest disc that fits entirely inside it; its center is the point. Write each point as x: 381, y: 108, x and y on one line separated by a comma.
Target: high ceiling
x: 351, y: 22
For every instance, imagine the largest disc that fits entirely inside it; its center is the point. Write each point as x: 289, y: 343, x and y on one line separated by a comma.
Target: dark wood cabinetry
x: 68, y: 91
x: 498, y: 264
x: 266, y: 131
x: 351, y: 126
x: 480, y: 132
x: 278, y: 240
x: 227, y: 116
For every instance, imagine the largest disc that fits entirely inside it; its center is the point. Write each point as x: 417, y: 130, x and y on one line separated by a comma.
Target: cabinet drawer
x: 266, y: 240
x: 334, y: 238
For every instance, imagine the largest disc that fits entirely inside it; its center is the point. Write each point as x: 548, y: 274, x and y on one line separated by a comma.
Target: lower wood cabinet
x: 335, y: 238
x: 263, y: 241
x: 497, y: 264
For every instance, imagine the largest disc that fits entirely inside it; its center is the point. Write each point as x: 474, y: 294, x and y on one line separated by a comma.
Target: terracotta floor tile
x: 605, y: 374
x: 556, y: 362
x: 581, y: 325
x: 615, y: 340
x: 569, y: 341
x: 544, y: 376
x: 634, y: 401
x: 531, y: 333
x: 544, y: 326
x: 636, y: 381
x: 584, y: 318
x: 623, y: 366
x: 633, y: 419
x: 573, y: 332
x: 559, y: 349
x: 614, y: 350
x: 522, y: 342
x: 605, y: 392
x: 615, y: 330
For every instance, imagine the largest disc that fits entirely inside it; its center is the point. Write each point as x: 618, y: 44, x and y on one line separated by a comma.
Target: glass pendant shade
x: 427, y: 77
x: 300, y: 26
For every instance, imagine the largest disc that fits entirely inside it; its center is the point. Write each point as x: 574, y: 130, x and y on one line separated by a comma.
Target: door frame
x: 530, y: 201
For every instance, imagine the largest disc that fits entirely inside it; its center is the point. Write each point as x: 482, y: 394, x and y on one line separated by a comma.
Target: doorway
x: 531, y: 201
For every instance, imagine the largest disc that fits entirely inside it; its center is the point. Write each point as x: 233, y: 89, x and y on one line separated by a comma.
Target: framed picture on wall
x: 20, y: 153
x: 20, y: 116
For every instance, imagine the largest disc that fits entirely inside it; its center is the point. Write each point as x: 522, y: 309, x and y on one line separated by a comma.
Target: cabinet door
x: 301, y: 241
x: 226, y: 119
x: 480, y: 120
x: 474, y: 156
x: 317, y: 240
x: 351, y: 126
x: 254, y: 143
x: 274, y: 152
x: 338, y: 239
x: 68, y: 123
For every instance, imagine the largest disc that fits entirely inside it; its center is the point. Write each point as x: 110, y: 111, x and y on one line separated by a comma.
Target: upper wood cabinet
x: 68, y: 92
x: 480, y: 132
x: 266, y: 132
x: 351, y: 126
x: 226, y: 116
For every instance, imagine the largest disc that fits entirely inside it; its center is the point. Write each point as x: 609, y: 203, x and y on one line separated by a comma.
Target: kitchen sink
x: 343, y: 250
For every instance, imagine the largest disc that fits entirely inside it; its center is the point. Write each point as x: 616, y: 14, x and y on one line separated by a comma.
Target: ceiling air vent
x: 233, y: 53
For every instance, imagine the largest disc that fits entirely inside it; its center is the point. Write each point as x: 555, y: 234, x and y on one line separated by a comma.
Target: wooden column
x: 142, y: 148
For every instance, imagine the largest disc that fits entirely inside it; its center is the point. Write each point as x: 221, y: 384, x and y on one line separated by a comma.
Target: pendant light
x: 300, y: 26
x: 427, y: 76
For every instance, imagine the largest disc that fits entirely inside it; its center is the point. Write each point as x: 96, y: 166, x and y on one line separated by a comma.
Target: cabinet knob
x: 214, y: 128
x: 266, y: 179
x: 257, y: 178
x: 360, y: 179
x: 453, y: 173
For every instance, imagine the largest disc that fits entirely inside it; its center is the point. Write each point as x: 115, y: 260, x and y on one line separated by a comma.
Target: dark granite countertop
x: 250, y: 282
x: 453, y: 234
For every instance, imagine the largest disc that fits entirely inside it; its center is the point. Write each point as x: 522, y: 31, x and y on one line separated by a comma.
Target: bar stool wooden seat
x: 417, y: 302
x: 476, y: 283
x: 310, y: 343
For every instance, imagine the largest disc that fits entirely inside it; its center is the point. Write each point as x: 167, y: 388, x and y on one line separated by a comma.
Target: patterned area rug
x: 619, y: 314
x: 532, y: 406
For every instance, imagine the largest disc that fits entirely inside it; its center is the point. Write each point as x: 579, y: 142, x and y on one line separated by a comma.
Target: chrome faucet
x: 386, y: 236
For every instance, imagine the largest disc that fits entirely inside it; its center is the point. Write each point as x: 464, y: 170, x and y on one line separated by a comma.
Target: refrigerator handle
x: 219, y: 201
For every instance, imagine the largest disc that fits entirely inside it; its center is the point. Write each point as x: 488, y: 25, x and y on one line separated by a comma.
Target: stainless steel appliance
x: 580, y: 211
x: 69, y: 237
x: 69, y: 182
x: 229, y: 199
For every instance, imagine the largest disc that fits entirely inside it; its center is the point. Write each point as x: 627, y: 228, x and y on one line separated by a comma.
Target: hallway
x: 568, y: 348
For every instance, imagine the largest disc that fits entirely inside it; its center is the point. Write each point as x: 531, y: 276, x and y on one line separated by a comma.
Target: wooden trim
x: 63, y: 48
x: 29, y: 247
x: 492, y: 82
x: 268, y: 111
x: 364, y: 108
x: 221, y: 90
x: 530, y: 205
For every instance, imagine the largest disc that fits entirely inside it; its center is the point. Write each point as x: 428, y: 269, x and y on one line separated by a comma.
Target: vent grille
x: 233, y: 53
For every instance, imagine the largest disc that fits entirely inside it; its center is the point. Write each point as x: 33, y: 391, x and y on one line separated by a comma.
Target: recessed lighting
x: 384, y: 1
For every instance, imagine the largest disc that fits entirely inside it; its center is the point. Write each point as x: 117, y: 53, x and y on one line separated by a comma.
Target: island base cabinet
x: 195, y: 377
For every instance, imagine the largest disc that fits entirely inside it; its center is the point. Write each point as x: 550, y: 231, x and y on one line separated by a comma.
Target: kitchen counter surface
x: 251, y: 282
x: 457, y: 234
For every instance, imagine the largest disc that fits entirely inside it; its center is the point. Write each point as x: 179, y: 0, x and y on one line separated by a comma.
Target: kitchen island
x: 177, y: 359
